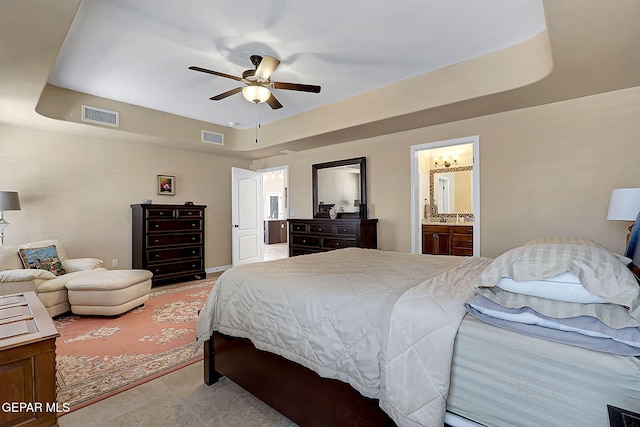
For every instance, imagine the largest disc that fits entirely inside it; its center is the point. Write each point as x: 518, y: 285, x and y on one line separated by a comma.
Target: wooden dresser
x: 308, y: 236
x: 168, y: 240
x: 447, y: 239
x: 27, y: 362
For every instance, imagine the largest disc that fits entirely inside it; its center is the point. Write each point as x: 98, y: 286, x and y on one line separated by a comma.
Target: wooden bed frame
x: 291, y: 389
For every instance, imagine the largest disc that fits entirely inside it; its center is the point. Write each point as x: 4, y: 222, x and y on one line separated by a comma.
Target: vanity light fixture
x: 441, y: 161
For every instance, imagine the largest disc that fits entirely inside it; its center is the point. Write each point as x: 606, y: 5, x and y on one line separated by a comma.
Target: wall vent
x: 100, y: 116
x: 212, y: 137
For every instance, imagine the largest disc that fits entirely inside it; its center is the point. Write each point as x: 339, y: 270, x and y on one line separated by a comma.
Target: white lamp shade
x: 9, y: 201
x: 624, y: 204
x: 255, y: 93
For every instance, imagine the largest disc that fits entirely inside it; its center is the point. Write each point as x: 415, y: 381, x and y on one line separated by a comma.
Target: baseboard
x: 217, y: 269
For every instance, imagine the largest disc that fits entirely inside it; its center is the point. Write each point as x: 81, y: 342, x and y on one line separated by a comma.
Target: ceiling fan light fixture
x: 256, y: 93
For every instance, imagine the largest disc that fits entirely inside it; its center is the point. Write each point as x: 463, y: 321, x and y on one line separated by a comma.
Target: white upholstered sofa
x: 50, y: 288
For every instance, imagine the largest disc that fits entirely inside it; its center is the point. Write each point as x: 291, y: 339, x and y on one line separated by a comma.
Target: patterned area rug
x: 97, y: 357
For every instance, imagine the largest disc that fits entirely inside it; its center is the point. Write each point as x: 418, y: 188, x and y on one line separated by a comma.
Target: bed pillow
x: 564, y: 240
x: 600, y: 271
x: 583, y: 331
x: 564, y: 287
x: 45, y: 258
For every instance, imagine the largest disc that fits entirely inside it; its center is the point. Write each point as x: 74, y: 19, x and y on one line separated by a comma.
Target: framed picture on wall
x: 166, y: 185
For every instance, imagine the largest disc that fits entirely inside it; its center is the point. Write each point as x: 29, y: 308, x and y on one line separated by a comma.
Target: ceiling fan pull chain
x: 257, y: 121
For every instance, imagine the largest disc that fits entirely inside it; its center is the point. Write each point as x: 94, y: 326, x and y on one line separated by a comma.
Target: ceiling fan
x: 258, y: 82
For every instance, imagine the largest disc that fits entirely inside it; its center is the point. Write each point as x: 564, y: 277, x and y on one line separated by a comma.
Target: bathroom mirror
x: 341, y: 184
x: 451, y: 192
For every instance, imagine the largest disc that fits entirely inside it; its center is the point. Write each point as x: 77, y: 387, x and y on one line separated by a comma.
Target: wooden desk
x: 27, y: 362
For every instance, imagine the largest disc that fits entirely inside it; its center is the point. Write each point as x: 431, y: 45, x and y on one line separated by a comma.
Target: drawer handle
x: 194, y: 225
x: 157, y: 226
x: 193, y: 252
x: 193, y: 266
x: 190, y: 214
x: 320, y: 229
x: 469, y: 241
x: 156, y: 241
x: 344, y: 230
x: 157, y: 270
x: 337, y: 244
x: 193, y: 238
x: 161, y: 213
x: 157, y: 256
x: 304, y: 241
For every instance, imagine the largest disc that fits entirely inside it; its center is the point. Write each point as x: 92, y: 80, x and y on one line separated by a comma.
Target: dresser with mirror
x: 339, y: 210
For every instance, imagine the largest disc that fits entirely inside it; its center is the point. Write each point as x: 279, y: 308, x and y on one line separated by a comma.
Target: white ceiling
x: 139, y: 52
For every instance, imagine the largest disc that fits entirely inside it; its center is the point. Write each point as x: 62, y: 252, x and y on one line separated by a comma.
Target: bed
x: 373, y: 338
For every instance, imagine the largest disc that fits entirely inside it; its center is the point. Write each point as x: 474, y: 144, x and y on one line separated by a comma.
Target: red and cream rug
x: 97, y: 357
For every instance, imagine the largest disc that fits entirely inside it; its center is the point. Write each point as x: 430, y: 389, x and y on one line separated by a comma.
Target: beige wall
x: 543, y: 170
x: 79, y: 189
x: 546, y: 170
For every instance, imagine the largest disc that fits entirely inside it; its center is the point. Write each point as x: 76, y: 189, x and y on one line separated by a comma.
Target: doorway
x: 445, y: 186
x: 276, y: 212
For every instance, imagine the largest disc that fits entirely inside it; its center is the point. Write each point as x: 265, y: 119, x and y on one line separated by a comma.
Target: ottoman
x: 110, y: 292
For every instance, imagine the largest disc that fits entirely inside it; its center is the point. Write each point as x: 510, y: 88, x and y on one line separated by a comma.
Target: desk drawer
x: 173, y: 239
x: 463, y: 241
x: 307, y: 241
x: 160, y: 213
x: 338, y: 243
x: 299, y: 228
x: 181, y: 225
x: 190, y: 213
x: 325, y: 229
x: 156, y: 255
x: 176, y: 267
x: 346, y: 230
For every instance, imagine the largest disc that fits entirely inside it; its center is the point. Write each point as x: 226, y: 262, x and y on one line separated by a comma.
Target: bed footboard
x: 291, y: 389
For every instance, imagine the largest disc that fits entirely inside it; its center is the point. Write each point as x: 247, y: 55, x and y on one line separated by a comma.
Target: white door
x: 246, y: 216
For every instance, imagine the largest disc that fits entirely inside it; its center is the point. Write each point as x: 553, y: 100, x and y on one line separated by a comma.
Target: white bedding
x: 328, y: 311
x: 332, y: 312
x: 424, y: 323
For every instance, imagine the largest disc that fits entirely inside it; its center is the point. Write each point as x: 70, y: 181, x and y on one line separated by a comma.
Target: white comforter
x: 331, y: 312
x: 424, y: 323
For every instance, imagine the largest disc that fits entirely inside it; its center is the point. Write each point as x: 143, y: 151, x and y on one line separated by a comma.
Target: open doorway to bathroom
x: 275, y: 186
x: 445, y: 188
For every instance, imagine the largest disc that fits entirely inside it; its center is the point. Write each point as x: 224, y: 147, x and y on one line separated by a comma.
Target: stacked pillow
x: 563, y: 289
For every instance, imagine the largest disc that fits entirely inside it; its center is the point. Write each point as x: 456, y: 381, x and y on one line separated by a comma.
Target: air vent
x: 212, y: 137
x: 100, y: 116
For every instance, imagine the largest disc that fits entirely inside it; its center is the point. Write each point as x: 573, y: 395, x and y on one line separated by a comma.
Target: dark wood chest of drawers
x: 168, y: 240
x: 447, y: 239
x: 308, y: 236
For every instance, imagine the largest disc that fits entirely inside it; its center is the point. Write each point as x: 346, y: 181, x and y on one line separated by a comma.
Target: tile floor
x: 178, y: 399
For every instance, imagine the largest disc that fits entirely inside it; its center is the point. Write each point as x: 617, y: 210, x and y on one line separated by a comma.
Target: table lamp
x: 9, y: 201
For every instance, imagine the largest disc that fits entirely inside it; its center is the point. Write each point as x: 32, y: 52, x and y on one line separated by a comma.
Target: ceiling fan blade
x: 296, y: 86
x: 266, y: 67
x: 273, y: 102
x: 215, y: 73
x: 226, y: 94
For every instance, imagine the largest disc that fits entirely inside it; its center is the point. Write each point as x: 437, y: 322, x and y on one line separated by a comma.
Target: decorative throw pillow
x: 45, y: 258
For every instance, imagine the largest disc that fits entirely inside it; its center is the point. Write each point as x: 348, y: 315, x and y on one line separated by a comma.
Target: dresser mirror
x: 451, y: 191
x: 341, y: 185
